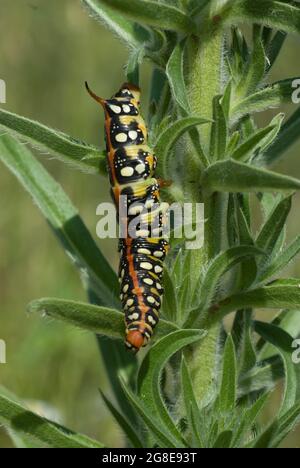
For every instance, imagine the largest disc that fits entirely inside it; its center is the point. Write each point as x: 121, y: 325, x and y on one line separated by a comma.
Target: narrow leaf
x: 280, y: 294
x: 122, y: 422
x: 159, y: 431
x: 224, y: 440
x: 271, y: 96
x: 215, y: 272
x: 281, y: 261
x: 255, y: 71
x: 150, y: 374
x: 275, y: 335
x: 101, y: 320
x: 286, y: 424
x: 190, y: 402
x: 19, y: 419
x: 232, y: 176
x: 131, y: 33
x: 272, y: 228
x: 153, y: 14
x: 249, y: 418
x: 250, y: 146
x: 175, y: 75
x: 170, y: 136
x: 62, y: 217
x: 78, y: 154
x: 288, y: 135
x: 227, y: 396
x: 219, y: 131
x: 275, y: 14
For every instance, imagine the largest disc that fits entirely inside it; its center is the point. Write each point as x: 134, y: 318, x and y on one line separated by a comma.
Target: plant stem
x: 204, y: 83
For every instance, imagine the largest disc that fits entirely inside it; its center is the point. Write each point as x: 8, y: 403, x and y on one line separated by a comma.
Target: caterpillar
x: 131, y: 167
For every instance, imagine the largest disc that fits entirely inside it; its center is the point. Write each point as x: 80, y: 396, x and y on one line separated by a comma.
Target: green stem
x: 204, y: 83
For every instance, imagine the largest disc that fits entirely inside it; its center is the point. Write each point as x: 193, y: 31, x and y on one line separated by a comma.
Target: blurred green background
x: 47, y: 50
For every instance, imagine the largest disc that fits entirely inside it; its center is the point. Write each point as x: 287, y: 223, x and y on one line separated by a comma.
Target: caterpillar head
x: 134, y: 340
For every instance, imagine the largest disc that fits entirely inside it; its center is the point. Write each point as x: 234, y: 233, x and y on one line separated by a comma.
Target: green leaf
x: 101, y: 320
x: 216, y: 271
x: 271, y: 96
x: 265, y: 439
x: 274, y: 48
x: 251, y: 145
x: 62, y: 217
x: 122, y: 422
x: 78, y: 154
x: 131, y: 33
x: 233, y: 143
x: 224, y: 440
x: 169, y: 305
x: 150, y: 374
x: 169, y: 137
x: 284, y: 342
x: 219, y: 131
x: 275, y: 335
x: 227, y: 395
x: 190, y: 403
x: 272, y: 228
x: 277, y: 15
x: 196, y: 6
x: 288, y: 135
x: 254, y: 72
x: 286, y: 424
x: 247, y: 354
x: 281, y: 294
x: 159, y: 431
x: 153, y: 14
x: 133, y: 65
x: 281, y: 261
x: 248, y: 419
x: 261, y: 378
x: 233, y: 176
x: 175, y: 74
x: 19, y: 419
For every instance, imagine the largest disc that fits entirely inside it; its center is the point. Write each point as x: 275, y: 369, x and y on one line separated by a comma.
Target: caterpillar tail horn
x: 93, y: 95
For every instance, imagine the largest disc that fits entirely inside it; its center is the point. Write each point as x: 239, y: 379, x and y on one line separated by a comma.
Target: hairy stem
x: 204, y: 83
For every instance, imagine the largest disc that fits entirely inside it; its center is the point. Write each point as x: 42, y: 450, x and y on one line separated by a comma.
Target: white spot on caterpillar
x: 126, y: 287
x: 159, y: 286
x: 151, y: 320
x: 115, y: 109
x: 126, y: 108
x: 127, y: 171
x: 140, y: 168
x: 130, y: 302
x: 133, y: 135
x: 148, y: 281
x: 146, y: 266
x: 121, y: 137
x: 144, y: 251
x: 158, y: 254
x: 158, y: 269
x: 134, y: 316
x: 150, y: 299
